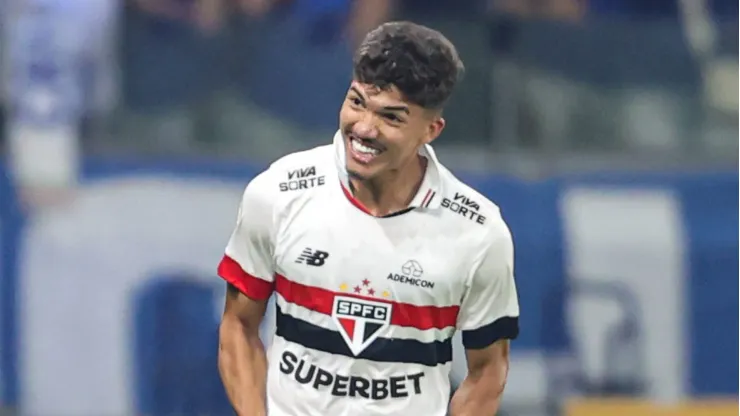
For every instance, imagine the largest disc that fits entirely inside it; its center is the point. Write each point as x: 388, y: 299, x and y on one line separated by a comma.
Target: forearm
x: 479, y: 394
x: 243, y: 367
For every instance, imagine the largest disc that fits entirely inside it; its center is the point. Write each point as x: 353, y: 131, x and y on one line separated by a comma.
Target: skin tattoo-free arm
x: 489, y: 318
x: 241, y: 355
x: 481, y: 391
x: 248, y: 268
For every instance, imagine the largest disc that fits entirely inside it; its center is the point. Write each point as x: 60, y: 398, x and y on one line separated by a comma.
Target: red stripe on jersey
x: 404, y: 314
x: 429, y: 200
x: 354, y: 200
x: 426, y: 199
x: 252, y: 286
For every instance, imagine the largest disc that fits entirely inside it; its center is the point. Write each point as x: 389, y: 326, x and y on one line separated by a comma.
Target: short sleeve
x: 248, y: 259
x: 490, y: 308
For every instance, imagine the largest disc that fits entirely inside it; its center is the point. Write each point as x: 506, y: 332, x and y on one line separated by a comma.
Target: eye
x: 355, y: 101
x: 392, y: 117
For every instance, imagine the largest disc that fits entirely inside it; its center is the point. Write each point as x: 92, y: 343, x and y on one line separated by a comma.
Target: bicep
x: 489, y: 364
x: 242, y: 309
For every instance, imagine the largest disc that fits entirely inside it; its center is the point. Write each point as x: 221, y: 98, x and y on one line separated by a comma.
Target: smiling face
x: 383, y: 131
x: 403, y: 74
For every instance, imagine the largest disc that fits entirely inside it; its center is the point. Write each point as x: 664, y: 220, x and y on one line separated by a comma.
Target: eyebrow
x: 360, y: 94
x: 397, y: 108
x: 393, y: 108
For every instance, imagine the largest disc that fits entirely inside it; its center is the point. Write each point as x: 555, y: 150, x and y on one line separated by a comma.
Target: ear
x: 434, y: 130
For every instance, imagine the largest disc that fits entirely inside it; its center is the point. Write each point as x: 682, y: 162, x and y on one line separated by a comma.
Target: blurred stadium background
x: 607, y: 130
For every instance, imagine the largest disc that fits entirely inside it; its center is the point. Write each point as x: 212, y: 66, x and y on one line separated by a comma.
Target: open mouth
x: 364, y: 151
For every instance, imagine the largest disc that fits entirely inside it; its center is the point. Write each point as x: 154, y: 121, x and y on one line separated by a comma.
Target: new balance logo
x: 312, y: 257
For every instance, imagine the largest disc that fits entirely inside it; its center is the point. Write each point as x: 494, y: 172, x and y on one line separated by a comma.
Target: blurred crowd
x: 551, y: 86
x: 550, y: 83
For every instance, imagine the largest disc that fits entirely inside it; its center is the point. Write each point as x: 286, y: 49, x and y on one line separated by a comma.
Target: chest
x: 407, y: 259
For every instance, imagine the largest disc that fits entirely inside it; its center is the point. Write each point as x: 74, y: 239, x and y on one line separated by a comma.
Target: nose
x: 365, y: 127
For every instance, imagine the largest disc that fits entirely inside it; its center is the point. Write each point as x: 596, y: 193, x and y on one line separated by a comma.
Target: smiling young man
x: 376, y: 255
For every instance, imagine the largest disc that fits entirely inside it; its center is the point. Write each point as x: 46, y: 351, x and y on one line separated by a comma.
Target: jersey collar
x: 429, y: 194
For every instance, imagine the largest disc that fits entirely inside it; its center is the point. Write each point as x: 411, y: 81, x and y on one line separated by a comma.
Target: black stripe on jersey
x: 502, y: 328
x: 381, y: 350
x: 429, y: 201
x: 397, y: 213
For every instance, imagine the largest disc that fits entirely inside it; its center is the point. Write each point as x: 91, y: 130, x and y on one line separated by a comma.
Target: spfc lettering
x: 360, y: 321
x: 303, y: 178
x: 464, y: 206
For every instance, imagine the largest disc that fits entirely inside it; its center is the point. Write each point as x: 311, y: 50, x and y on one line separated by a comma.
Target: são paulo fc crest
x: 360, y: 321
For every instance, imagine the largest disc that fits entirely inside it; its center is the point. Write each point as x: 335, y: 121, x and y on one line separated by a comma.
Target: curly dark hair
x: 421, y: 62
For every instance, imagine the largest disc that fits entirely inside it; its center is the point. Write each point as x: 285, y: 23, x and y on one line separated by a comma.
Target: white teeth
x: 359, y: 147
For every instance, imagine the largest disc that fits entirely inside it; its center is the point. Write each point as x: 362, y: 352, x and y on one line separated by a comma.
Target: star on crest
x: 364, y: 288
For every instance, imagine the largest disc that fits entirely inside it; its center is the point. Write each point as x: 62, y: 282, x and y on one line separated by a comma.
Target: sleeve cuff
x: 251, y: 286
x: 506, y: 327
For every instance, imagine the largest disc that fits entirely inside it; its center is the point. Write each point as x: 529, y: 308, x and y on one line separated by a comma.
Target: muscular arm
x: 241, y: 355
x: 481, y: 391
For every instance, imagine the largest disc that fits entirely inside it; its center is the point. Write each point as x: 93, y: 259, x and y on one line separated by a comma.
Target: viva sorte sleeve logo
x: 303, y: 178
x: 360, y: 320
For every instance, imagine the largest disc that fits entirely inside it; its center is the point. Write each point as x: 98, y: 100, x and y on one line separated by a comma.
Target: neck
x: 392, y: 192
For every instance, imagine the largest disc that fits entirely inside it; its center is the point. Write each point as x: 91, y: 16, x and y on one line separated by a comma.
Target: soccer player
x: 376, y: 254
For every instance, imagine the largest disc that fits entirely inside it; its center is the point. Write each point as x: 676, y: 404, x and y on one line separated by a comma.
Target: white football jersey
x: 366, y: 307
